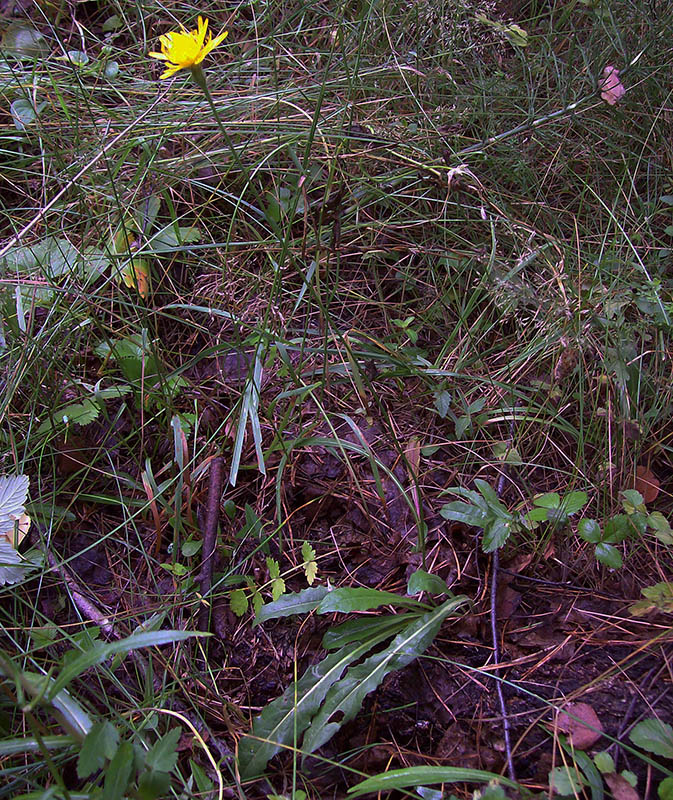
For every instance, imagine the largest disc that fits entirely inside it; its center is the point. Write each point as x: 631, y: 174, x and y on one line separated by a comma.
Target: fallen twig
x: 210, y: 540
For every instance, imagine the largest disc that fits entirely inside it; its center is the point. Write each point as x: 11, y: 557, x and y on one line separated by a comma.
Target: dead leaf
x: 612, y: 89
x: 18, y: 532
x: 508, y: 602
x: 577, y: 721
x: 621, y: 789
x: 647, y: 484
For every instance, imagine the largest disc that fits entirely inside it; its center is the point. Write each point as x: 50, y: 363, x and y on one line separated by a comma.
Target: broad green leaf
x: 102, y: 651
x: 442, y: 403
x: 422, y: 581
x: 162, y: 756
x: 24, y: 113
x: 363, y: 629
x: 100, y: 743
x: 302, y: 602
x: 589, y: 530
x: 632, y: 501
x: 345, y: 697
x: 74, y: 414
x: 118, y: 773
x: 665, y: 789
x: 604, y: 762
x: 292, y: 712
x: 566, y: 781
x: 549, y: 500
x: 616, y: 529
x: 496, y: 534
x: 465, y: 513
x: 238, y: 601
x: 152, y: 785
x: 608, y: 555
x: 538, y: 514
x: 169, y: 240
x: 661, y: 527
x: 574, y: 501
x: 587, y: 767
x: 422, y: 776
x: 654, y: 736
x: 113, y: 23
x: 361, y: 599
x: 490, y: 496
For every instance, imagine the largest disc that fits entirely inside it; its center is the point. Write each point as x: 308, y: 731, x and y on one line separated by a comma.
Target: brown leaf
x: 612, y: 89
x: 621, y: 789
x: 647, y: 484
x: 579, y: 725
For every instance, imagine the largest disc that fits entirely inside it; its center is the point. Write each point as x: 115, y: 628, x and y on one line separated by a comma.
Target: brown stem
x: 210, y: 540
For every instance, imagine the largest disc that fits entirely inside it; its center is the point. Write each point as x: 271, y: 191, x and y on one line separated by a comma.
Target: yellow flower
x: 185, y: 49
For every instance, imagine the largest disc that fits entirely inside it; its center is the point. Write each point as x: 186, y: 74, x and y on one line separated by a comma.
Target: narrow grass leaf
x: 422, y: 776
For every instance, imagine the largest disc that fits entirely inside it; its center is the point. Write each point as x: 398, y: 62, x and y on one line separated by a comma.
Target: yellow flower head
x: 185, y: 49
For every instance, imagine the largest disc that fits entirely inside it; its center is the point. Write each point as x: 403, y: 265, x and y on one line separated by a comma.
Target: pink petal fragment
x: 612, y: 89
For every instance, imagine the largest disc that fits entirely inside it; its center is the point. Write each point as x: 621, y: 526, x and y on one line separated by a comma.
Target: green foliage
x: 654, y: 736
x: 335, y: 688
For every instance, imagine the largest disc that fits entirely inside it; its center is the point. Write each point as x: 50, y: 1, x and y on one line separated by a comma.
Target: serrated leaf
x: 604, y: 762
x: 491, y: 497
x: 307, y: 552
x: 310, y: 571
x: 654, y: 736
x: 345, y: 698
x: 495, y: 535
x: 549, y: 500
x: 566, y: 781
x: 465, y: 513
x: 12, y: 567
x: 442, y: 403
x: 118, y: 773
x: 302, y: 602
x: 422, y: 581
x: 100, y: 743
x: 13, y: 494
x: 238, y: 602
x: 346, y: 600
x: 574, y: 501
x: 608, y: 555
x: 589, y: 530
x: 74, y: 414
x: 415, y: 776
x: 277, y: 588
x: 273, y: 567
x: 162, y: 756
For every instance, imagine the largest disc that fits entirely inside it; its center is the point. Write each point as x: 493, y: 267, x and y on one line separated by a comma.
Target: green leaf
x: 363, y: 629
x: 191, y: 547
x: 345, y: 698
x: 113, y: 23
x: 361, y: 599
x: 421, y: 581
x: 302, y: 602
x: 589, y: 530
x: 24, y: 113
x: 273, y: 567
x: 417, y: 776
x: 465, y: 513
x: 162, y: 756
x: 82, y: 413
x: 238, y: 601
x: 442, y: 403
x: 604, y: 762
x: 77, y: 58
x: 277, y: 588
x: 549, y: 500
x: 24, y: 42
x: 307, y: 552
x: 616, y: 529
x: 99, y: 745
x: 538, y: 514
x: 654, y: 736
x: 665, y: 789
x: 632, y: 501
x: 152, y: 785
x: 289, y: 715
x: 310, y: 571
x: 490, y: 496
x: 495, y: 535
x: 507, y: 454
x: 608, y: 555
x: 574, y: 501
x: 566, y: 781
x: 118, y: 773
x: 169, y: 240
x: 661, y: 527
x: 102, y: 651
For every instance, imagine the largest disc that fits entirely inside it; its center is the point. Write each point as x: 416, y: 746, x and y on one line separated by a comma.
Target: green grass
x: 364, y: 244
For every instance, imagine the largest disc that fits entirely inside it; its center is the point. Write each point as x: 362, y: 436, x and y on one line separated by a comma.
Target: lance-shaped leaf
x: 291, y: 713
x: 346, y: 697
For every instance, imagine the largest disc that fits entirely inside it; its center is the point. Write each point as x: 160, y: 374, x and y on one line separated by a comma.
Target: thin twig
x: 210, y: 539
